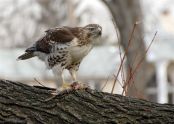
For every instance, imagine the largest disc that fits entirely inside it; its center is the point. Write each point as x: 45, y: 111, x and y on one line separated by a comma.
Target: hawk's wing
x: 52, y: 36
x: 50, y: 39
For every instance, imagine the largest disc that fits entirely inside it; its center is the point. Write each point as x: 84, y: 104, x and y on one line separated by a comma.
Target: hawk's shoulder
x: 53, y: 36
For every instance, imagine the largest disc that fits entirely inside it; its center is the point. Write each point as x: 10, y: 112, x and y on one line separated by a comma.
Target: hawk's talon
x: 70, y: 87
x: 65, y: 85
x: 58, y: 93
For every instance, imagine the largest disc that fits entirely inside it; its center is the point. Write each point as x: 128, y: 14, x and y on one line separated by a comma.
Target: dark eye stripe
x: 91, y: 28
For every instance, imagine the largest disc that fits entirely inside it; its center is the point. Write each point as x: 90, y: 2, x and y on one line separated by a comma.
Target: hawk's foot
x: 67, y: 87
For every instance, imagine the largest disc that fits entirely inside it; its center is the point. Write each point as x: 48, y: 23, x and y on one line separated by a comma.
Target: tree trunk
x: 125, y: 14
x: 23, y: 104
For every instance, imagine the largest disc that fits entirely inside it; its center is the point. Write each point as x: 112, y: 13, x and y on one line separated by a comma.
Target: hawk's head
x: 93, y: 31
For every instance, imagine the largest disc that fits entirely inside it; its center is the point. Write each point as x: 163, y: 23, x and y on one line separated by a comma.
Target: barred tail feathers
x: 29, y: 53
x: 26, y: 55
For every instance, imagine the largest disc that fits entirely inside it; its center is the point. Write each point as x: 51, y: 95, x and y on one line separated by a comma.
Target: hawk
x: 64, y: 48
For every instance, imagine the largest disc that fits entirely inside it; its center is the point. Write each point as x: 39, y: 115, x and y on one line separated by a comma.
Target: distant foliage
x: 23, y: 21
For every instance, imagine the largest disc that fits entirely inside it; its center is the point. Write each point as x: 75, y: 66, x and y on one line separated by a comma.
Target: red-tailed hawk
x: 64, y: 48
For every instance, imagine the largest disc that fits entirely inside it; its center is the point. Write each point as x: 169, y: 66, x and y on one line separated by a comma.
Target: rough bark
x: 20, y: 103
x: 125, y: 13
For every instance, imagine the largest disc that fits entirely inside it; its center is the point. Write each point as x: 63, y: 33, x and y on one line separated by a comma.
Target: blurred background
x: 22, y: 22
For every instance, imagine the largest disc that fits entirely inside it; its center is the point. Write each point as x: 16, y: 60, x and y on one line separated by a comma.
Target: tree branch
x: 20, y: 103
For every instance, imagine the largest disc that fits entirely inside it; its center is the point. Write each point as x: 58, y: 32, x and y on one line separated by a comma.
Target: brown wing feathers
x: 44, y: 44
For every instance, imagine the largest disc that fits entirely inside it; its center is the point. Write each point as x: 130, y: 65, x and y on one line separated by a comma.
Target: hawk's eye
x: 91, y: 28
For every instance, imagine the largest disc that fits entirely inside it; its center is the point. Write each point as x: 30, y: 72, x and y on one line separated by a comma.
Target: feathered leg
x: 65, y: 85
x: 73, y: 75
x: 61, y: 84
x: 76, y: 85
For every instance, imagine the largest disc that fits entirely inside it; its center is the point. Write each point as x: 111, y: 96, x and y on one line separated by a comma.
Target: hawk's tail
x: 29, y: 53
x: 26, y: 55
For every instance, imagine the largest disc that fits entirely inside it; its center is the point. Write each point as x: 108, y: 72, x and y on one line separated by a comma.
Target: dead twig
x: 142, y: 59
x: 39, y: 82
x: 124, y: 56
x: 105, y: 83
x: 132, y: 72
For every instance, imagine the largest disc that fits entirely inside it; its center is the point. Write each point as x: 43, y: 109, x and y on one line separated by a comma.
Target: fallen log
x: 20, y: 103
